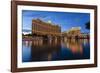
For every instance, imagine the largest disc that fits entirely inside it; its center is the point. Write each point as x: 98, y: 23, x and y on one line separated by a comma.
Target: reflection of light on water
x: 27, y: 43
x: 26, y: 50
x: 41, y: 50
x: 37, y: 42
x: 74, y: 45
x: 85, y: 41
x: 49, y: 56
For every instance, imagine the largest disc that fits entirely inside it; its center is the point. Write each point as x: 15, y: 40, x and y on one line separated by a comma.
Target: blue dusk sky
x: 66, y: 20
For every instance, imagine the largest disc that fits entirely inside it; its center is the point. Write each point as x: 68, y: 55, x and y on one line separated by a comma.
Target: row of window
x: 45, y: 28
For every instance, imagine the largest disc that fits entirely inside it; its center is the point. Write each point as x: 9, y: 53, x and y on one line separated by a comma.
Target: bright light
x: 49, y: 21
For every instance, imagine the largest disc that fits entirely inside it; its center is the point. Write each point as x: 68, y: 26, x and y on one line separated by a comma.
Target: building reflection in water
x: 50, y: 50
x: 75, y: 46
x: 42, y: 51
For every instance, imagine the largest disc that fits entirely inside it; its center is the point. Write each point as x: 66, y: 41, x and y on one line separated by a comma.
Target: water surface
x: 70, y: 49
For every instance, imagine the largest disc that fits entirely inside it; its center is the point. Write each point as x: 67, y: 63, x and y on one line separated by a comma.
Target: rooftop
x: 48, y: 23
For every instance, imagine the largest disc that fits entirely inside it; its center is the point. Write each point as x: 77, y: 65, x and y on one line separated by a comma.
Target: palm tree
x: 87, y: 25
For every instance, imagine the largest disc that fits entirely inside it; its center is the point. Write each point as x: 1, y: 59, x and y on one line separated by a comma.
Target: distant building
x: 72, y: 33
x: 40, y: 27
x: 75, y: 32
x: 85, y: 35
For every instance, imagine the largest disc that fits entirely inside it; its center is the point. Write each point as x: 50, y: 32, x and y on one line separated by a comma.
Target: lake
x: 46, y: 50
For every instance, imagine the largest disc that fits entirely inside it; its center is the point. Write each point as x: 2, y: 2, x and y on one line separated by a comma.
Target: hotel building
x: 40, y: 27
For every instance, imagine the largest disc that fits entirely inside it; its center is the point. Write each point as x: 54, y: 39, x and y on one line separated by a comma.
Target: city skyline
x: 66, y: 20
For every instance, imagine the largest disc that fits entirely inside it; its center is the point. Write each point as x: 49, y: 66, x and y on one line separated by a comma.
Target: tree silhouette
x: 87, y: 25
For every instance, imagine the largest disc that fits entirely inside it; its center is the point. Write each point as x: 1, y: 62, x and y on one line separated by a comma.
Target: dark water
x: 33, y: 51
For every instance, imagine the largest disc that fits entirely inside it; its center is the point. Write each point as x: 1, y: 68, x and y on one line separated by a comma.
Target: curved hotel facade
x: 45, y: 28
